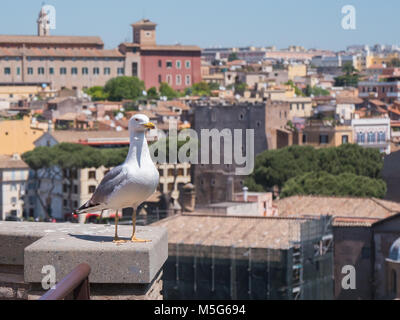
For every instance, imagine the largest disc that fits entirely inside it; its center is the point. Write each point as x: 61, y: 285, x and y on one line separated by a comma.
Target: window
x: 381, y: 136
x: 107, y: 71
x: 65, y: 203
x: 178, y: 79
x: 40, y: 70
x: 63, y: 70
x: 345, y: 139
x: 51, y: 70
x: 360, y: 137
x: 120, y: 71
x: 74, y: 70
x: 75, y: 189
x: 169, y: 79
x: 187, y: 64
x: 13, y: 200
x: 92, y: 174
x: 96, y: 70
x: 178, y: 64
x: 92, y: 189
x: 323, y: 139
x: 65, y: 188
x: 134, y: 69
x: 169, y: 64
x: 7, y: 70
x: 371, y: 137
x: 30, y: 70
x: 159, y: 63
x: 304, y: 138
x: 85, y: 70
x: 18, y: 71
x: 159, y: 78
x: 188, y: 80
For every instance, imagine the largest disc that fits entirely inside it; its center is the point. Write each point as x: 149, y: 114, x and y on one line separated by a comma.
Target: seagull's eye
x: 137, y: 120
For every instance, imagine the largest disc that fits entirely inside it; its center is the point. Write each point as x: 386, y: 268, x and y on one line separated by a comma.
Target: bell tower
x: 43, y: 23
x: 144, y: 32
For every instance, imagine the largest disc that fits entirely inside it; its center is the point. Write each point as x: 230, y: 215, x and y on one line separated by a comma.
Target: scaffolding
x: 302, y: 270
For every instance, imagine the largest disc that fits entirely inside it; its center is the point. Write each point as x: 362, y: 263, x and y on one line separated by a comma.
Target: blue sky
x: 311, y: 23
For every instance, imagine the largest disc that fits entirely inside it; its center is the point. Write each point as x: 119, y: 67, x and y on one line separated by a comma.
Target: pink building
x: 177, y: 65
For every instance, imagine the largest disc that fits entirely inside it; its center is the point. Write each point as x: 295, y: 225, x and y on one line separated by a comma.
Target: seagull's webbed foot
x: 119, y: 241
x: 134, y: 239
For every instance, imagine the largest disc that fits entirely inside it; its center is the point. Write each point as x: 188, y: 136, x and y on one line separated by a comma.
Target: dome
x: 394, y: 252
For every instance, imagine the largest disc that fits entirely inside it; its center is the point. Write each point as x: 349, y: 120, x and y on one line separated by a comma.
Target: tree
x: 276, y: 167
x: 201, y: 89
x: 152, y: 93
x: 315, y: 91
x: 41, y: 162
x: 348, y: 68
x: 297, y: 90
x: 240, y: 88
x: 394, y: 63
x: 233, y: 56
x: 350, y: 77
x: 124, y: 88
x: 97, y: 93
x: 166, y: 91
x: 323, y: 183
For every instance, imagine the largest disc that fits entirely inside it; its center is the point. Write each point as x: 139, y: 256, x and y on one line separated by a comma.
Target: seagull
x: 129, y: 184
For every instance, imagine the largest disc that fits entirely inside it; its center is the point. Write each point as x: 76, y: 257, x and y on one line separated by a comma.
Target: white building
x: 14, y: 175
x: 372, y: 133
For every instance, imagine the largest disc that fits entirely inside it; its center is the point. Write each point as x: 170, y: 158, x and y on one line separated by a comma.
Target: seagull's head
x: 140, y: 123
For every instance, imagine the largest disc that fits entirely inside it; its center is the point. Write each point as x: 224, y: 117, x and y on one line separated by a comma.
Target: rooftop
x: 31, y: 39
x: 345, y: 210
x: 276, y: 233
x: 11, y: 162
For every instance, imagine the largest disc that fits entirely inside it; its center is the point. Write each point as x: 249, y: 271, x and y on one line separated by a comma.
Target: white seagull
x: 131, y: 183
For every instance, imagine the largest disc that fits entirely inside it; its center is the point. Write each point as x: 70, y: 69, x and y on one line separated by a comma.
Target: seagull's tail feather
x: 89, y: 207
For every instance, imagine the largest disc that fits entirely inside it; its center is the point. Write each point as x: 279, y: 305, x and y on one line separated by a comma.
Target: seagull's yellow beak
x: 149, y: 125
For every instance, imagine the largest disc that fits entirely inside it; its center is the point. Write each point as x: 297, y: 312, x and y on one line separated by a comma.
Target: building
x: 300, y: 107
x: 17, y: 136
x: 387, y: 91
x: 247, y: 258
x: 218, y: 182
x: 13, y: 183
x: 81, y: 62
x: 372, y: 133
x: 363, y: 231
x: 177, y: 65
x: 325, y: 133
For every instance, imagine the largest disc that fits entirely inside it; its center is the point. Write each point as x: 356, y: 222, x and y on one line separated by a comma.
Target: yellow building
x: 319, y: 134
x: 17, y: 136
x: 24, y: 91
x: 297, y: 70
x: 382, y: 59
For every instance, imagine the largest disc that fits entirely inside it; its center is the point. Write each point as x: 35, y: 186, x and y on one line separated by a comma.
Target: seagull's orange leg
x: 116, y: 239
x: 134, y: 239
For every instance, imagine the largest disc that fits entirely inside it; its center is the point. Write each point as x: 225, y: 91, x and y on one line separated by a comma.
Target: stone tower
x: 43, y: 23
x: 144, y: 32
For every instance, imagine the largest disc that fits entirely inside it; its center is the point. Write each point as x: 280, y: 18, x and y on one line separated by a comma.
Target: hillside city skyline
x: 317, y: 26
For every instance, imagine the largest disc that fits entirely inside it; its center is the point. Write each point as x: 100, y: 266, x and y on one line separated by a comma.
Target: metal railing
x: 75, y: 286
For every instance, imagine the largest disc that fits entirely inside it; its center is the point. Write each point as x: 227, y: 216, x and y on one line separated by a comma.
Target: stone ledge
x: 66, y: 245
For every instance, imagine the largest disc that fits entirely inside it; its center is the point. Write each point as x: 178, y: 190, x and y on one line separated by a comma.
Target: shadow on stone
x: 95, y: 238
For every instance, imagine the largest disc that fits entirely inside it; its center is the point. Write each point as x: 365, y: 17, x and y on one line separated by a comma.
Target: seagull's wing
x: 111, y: 180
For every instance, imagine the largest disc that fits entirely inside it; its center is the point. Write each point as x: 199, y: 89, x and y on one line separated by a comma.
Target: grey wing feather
x: 111, y: 180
